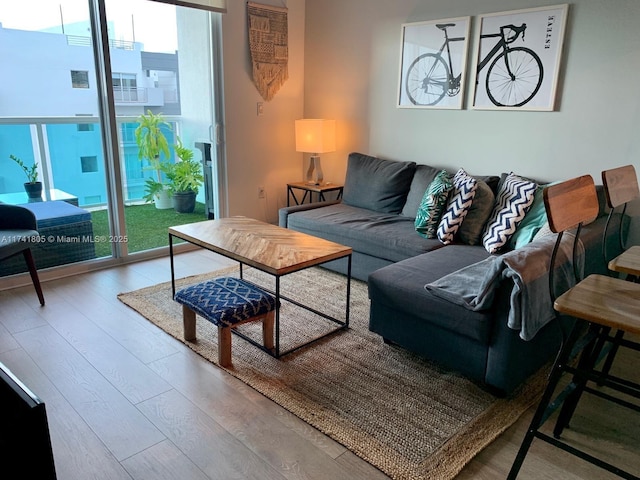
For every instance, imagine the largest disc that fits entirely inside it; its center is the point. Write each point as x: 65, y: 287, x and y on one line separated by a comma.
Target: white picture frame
x: 432, y: 75
x: 533, y: 40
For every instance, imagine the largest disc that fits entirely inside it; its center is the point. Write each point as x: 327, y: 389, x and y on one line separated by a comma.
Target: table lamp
x: 315, y: 136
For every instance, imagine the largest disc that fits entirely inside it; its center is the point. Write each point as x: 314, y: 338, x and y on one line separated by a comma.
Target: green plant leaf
x: 31, y: 172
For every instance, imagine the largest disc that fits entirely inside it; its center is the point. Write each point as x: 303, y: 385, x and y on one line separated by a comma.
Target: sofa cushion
x: 493, y: 181
x: 470, y: 232
x: 515, y: 196
x: 422, y: 178
x: 460, y: 199
x: 388, y: 236
x: 433, y: 204
x: 56, y: 213
x: 377, y: 184
x: 400, y: 287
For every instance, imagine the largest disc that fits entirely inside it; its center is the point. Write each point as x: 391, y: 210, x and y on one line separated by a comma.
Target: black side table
x: 309, y: 190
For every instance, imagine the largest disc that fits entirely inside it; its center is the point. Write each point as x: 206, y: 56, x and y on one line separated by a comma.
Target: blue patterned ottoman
x: 226, y: 302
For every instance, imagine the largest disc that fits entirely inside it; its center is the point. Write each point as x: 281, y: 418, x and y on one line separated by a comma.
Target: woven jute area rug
x: 395, y: 410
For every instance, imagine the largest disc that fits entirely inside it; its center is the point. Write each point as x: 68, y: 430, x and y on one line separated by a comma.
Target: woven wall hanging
x: 268, y: 37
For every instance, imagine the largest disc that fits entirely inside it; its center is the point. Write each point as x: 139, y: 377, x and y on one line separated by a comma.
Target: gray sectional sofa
x: 484, y: 315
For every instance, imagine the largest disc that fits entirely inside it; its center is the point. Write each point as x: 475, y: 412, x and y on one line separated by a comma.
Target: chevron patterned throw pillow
x: 460, y: 199
x: 514, y: 199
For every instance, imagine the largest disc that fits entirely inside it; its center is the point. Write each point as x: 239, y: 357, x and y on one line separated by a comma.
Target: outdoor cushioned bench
x: 65, y: 235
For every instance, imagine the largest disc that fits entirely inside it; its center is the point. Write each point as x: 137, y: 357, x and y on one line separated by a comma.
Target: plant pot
x: 33, y: 189
x: 162, y: 200
x: 184, y: 202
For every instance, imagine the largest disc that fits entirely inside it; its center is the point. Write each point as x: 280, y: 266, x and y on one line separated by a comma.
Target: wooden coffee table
x: 274, y: 250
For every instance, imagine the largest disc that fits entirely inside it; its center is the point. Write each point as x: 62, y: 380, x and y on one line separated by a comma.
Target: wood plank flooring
x: 126, y: 401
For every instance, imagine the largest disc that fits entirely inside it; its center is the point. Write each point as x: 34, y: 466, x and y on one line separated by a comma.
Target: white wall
x: 39, y: 57
x: 261, y: 149
x: 351, y: 71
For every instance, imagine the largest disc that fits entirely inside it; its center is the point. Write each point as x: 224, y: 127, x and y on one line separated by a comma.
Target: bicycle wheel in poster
x: 427, y: 79
x: 506, y: 90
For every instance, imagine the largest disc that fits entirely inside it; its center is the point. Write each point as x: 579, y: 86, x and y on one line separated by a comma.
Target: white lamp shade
x: 315, y: 135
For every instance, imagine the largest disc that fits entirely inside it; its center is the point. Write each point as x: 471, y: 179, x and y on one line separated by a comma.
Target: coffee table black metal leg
x: 346, y: 320
x: 276, y: 351
x: 173, y: 277
x: 277, y: 322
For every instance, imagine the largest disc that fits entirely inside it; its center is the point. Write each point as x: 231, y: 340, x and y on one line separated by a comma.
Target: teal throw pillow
x: 433, y: 204
x: 533, y: 221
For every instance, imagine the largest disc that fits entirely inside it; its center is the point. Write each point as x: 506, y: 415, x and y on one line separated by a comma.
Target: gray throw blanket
x: 527, y: 269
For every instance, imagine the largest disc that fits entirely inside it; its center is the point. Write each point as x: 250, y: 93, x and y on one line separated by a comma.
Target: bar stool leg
x: 541, y: 411
x: 612, y: 354
x: 586, y: 363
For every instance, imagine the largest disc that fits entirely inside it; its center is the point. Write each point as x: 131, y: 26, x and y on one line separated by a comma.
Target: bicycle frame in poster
x: 433, y: 61
x: 518, y: 58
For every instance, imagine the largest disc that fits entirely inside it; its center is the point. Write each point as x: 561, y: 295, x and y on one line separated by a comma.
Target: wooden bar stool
x: 597, y: 304
x: 620, y: 187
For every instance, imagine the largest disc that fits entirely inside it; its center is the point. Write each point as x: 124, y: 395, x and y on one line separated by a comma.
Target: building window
x: 79, y: 79
x: 93, y: 200
x: 125, y: 87
x: 85, y: 127
x: 89, y: 164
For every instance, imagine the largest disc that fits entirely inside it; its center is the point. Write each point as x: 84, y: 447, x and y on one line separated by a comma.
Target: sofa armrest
x: 284, y: 212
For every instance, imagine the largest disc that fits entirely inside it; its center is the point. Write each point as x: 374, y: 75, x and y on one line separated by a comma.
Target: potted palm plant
x: 33, y: 187
x: 154, y: 147
x: 185, y: 177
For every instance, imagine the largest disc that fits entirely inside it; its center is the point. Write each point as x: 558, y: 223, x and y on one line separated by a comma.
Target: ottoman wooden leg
x: 224, y: 346
x: 267, y: 330
x: 189, y: 323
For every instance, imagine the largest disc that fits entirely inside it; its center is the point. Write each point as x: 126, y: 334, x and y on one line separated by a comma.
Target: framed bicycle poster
x: 433, y: 63
x: 518, y: 59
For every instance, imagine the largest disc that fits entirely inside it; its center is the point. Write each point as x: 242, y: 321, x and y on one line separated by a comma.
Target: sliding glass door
x: 160, y: 62
x: 155, y: 65
x: 49, y: 119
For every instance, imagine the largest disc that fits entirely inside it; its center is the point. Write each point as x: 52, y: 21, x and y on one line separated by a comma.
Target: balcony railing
x: 130, y: 95
x: 54, y: 143
x: 80, y: 41
x: 144, y: 96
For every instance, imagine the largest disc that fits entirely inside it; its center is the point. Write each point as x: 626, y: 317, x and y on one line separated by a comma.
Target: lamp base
x: 314, y: 174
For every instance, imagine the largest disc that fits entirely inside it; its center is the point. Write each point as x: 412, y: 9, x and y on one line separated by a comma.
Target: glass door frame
x: 113, y: 165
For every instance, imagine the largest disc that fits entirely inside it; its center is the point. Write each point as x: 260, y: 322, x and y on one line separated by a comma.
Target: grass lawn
x: 146, y: 226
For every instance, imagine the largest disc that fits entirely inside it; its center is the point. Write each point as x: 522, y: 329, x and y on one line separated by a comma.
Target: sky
x: 152, y: 24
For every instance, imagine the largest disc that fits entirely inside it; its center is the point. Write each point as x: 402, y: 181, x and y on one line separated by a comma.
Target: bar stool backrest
x: 569, y: 205
x: 620, y: 187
